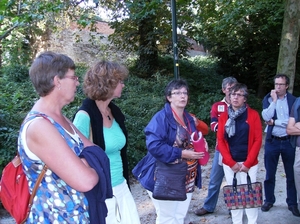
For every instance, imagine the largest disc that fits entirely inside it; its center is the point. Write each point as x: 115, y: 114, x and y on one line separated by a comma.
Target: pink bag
x: 200, y: 146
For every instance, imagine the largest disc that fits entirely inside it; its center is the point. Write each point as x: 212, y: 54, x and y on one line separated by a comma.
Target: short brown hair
x: 45, y: 67
x: 101, y: 80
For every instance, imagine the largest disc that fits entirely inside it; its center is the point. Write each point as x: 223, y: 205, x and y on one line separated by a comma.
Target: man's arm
x: 293, y: 128
x: 200, y: 125
x: 268, y: 113
x: 269, y: 107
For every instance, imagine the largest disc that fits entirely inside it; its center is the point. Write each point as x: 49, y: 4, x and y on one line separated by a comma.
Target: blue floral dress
x: 55, y: 201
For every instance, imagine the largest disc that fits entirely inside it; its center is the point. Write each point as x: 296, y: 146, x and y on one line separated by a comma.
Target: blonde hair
x: 101, y: 80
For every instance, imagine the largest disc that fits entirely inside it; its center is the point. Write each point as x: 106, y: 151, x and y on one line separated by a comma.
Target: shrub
x: 140, y: 100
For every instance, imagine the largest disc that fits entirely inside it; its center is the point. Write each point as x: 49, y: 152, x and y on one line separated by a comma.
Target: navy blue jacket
x: 98, y: 160
x: 296, y: 109
x: 160, y: 136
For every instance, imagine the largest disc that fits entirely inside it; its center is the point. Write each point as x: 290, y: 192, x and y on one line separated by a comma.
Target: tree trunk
x: 289, y: 41
x: 148, y: 52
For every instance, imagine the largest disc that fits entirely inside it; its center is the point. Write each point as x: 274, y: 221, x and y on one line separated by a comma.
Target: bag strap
x: 36, y: 186
x: 234, y: 183
x: 38, y: 181
x: 249, y: 183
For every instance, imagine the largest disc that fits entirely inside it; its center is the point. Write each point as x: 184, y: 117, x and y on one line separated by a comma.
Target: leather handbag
x: 170, y: 181
x: 243, y: 195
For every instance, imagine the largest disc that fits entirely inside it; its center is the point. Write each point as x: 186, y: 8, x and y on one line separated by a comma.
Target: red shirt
x: 216, y: 110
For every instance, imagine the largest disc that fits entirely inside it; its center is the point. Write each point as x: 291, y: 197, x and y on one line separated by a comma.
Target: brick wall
x: 88, y: 47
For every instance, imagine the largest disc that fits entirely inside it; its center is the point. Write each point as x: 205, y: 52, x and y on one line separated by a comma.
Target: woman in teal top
x: 102, y: 121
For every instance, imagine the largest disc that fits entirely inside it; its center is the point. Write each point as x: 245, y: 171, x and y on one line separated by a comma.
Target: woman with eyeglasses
x: 168, y: 140
x: 102, y: 121
x: 239, y: 139
x: 48, y: 137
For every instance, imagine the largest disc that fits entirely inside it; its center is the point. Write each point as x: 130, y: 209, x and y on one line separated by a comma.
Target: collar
x: 284, y: 97
x: 223, y: 100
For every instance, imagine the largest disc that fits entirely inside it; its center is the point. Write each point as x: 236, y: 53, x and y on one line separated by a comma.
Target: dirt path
x: 279, y: 214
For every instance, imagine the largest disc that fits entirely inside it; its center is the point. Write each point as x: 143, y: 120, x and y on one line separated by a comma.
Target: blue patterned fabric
x: 55, y: 201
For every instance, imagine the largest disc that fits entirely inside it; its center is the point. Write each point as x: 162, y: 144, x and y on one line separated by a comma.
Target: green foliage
x: 145, y: 27
x: 141, y: 99
x: 245, y: 35
x: 16, y: 72
x: 24, y: 22
x: 16, y: 98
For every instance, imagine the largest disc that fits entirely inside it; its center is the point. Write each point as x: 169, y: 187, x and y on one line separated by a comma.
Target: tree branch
x: 8, y: 32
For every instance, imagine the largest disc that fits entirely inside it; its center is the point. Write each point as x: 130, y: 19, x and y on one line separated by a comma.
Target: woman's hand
x: 189, y: 154
x: 236, y: 168
x: 244, y: 169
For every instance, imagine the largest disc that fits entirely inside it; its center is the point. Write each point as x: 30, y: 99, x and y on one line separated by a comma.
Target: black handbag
x: 170, y: 181
x: 244, y: 195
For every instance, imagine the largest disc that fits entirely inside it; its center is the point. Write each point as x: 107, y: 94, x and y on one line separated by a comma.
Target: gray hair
x: 240, y: 86
x: 228, y: 81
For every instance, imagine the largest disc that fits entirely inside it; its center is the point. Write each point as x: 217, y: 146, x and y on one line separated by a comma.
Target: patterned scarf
x: 230, y: 123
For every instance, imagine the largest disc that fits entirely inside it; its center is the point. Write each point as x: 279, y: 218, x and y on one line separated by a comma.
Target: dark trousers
x: 273, y: 149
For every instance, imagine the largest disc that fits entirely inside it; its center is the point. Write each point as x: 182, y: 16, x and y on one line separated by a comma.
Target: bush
x: 16, y: 72
x: 140, y: 100
x: 16, y: 98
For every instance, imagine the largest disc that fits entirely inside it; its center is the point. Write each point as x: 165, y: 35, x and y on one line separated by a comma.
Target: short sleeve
x: 82, y: 123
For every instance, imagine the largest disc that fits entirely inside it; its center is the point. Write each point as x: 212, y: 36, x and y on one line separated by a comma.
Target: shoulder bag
x: 170, y: 181
x: 14, y: 190
x: 244, y: 195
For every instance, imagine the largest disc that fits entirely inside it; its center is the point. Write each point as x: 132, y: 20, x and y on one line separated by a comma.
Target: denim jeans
x: 273, y: 149
x: 215, y: 182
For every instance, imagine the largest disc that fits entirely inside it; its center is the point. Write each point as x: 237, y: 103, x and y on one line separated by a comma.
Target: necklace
x: 177, y: 118
x: 106, y: 114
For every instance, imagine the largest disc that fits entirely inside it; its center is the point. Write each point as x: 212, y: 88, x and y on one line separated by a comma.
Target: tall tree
x: 144, y: 27
x: 22, y: 22
x: 289, y: 41
x: 243, y: 35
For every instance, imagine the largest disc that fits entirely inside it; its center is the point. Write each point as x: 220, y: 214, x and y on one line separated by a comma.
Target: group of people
x: 87, y: 168
x: 88, y: 181
x: 239, y: 154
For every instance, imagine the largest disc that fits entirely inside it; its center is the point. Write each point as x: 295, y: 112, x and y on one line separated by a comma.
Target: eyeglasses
x: 75, y: 78
x: 280, y: 84
x: 179, y: 93
x: 237, y: 94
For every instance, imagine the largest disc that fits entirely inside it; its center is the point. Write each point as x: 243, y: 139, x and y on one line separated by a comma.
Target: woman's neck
x: 237, y: 108
x: 102, y: 105
x: 104, y: 109
x: 178, y: 115
x: 178, y: 111
x: 48, y: 106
